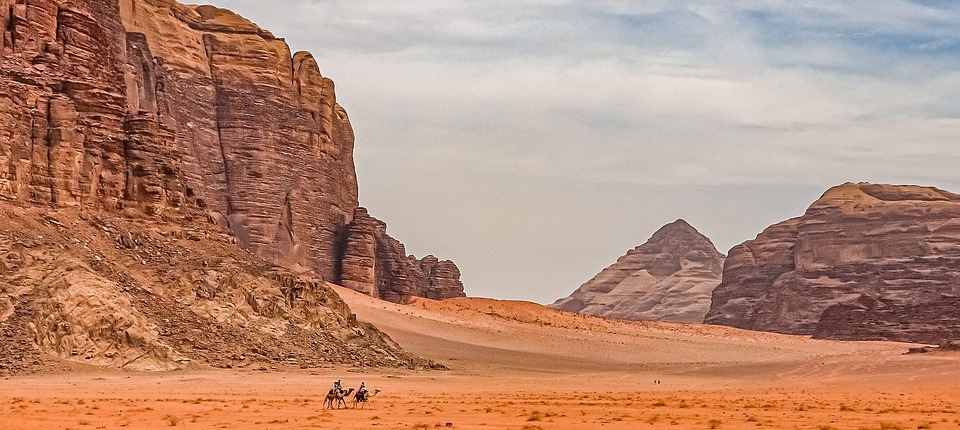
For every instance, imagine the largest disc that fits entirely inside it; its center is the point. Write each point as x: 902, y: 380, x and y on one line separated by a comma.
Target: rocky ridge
x: 865, y: 262
x: 376, y: 264
x: 668, y: 278
x: 142, y: 294
x: 152, y: 106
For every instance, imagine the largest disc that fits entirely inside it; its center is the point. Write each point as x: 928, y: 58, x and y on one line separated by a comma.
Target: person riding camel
x: 362, y: 392
x: 337, y: 388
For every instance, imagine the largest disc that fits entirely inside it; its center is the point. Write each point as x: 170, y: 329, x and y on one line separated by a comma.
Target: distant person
x: 337, y: 388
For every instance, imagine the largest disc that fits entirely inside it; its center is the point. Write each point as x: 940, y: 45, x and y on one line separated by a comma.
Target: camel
x: 365, y: 399
x: 336, y: 396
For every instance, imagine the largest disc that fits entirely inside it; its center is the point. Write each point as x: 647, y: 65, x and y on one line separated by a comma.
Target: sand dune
x: 475, y: 335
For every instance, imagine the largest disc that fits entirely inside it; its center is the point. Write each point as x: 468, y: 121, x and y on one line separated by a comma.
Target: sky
x: 535, y: 141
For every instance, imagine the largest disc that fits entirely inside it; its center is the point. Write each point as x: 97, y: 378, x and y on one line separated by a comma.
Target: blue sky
x: 535, y: 141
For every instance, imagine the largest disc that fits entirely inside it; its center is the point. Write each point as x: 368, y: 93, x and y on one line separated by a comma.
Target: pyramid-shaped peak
x: 678, y: 237
x: 669, y: 278
x: 677, y: 228
x: 679, y: 224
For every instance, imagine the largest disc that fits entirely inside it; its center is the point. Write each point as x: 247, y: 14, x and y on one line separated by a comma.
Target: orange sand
x: 518, y: 366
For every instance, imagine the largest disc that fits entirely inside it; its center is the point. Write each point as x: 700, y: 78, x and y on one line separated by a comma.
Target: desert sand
x: 515, y: 365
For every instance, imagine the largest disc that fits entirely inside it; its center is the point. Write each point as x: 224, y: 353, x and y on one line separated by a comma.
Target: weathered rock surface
x: 149, y: 295
x: 168, y: 113
x: 870, y: 318
x: 668, y: 278
x: 154, y: 106
x: 865, y: 261
x: 376, y: 264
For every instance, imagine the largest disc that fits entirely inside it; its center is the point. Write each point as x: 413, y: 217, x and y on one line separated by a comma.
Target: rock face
x: 668, y: 278
x: 870, y: 318
x: 153, y: 115
x: 151, y: 295
x: 865, y: 262
x: 376, y: 264
x: 153, y: 106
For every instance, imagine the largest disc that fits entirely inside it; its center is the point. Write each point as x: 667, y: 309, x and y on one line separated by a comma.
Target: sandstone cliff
x: 376, y: 264
x: 865, y: 261
x: 153, y: 114
x: 668, y: 278
x: 153, y: 106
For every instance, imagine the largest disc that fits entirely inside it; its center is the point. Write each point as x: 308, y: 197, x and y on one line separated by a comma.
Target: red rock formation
x: 869, y: 318
x: 443, y: 277
x: 263, y: 139
x: 865, y: 261
x: 152, y: 105
x: 376, y: 264
x: 63, y: 114
x: 668, y: 278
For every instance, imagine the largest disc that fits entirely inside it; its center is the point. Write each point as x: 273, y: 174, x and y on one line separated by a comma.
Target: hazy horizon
x: 533, y: 142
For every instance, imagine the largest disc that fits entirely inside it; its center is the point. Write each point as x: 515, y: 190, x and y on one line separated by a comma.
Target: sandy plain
x: 516, y: 365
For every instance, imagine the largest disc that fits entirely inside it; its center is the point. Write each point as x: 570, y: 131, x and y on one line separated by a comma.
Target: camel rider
x: 362, y: 392
x: 337, y: 388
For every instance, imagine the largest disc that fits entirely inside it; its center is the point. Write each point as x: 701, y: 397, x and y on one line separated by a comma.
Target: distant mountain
x: 865, y: 262
x: 668, y: 278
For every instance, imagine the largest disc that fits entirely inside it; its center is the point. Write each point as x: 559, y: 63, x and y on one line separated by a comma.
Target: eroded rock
x: 376, y: 264
x: 168, y: 113
x: 668, y: 278
x: 865, y: 261
x: 158, y: 107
